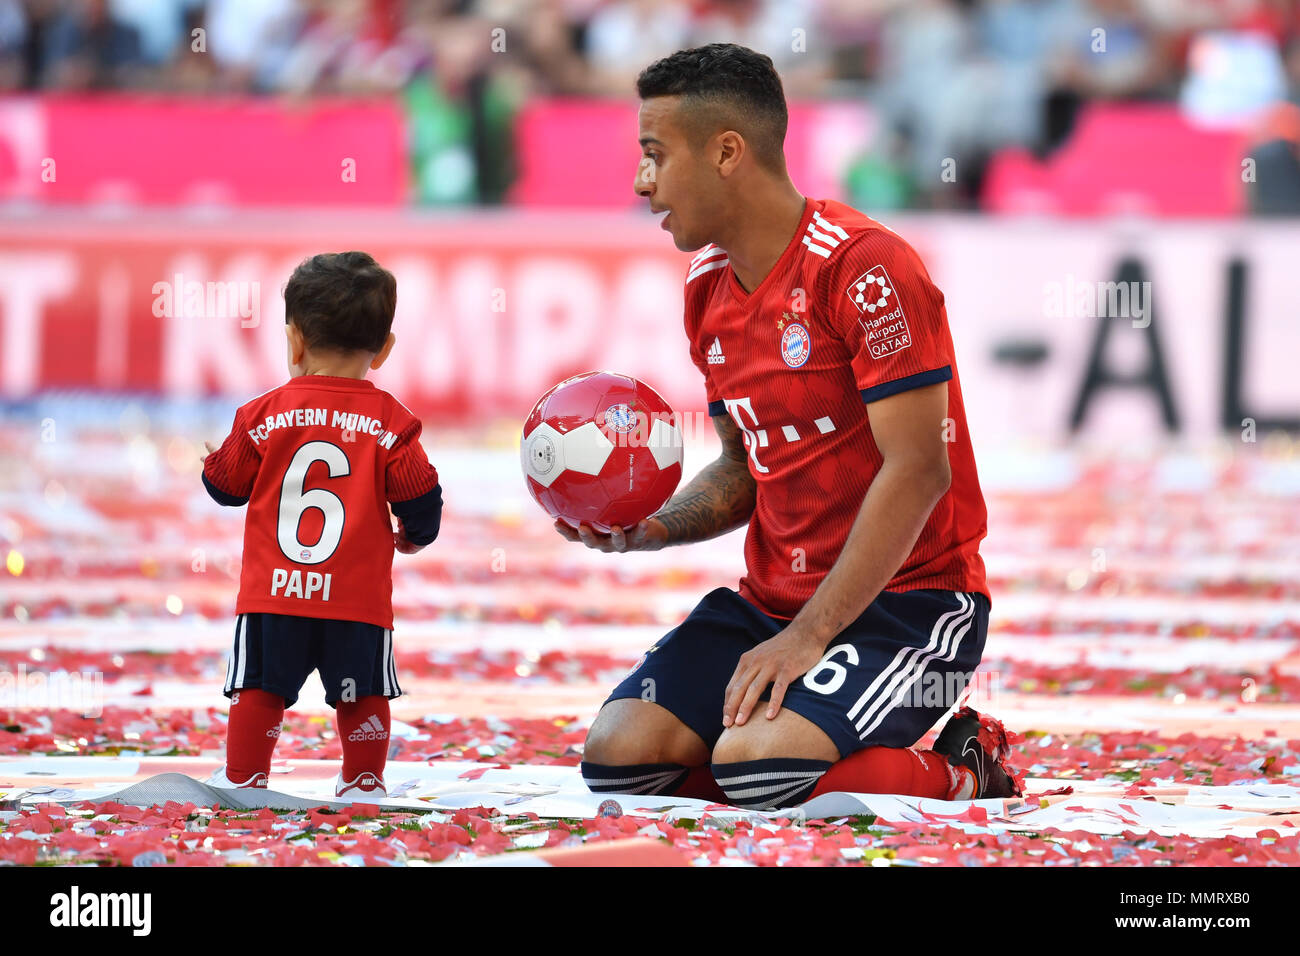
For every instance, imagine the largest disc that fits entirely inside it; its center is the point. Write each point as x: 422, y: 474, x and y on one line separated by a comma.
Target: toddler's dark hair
x: 341, y: 302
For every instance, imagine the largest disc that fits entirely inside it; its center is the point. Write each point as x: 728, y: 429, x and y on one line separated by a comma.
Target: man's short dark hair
x: 341, y: 302
x: 725, y: 86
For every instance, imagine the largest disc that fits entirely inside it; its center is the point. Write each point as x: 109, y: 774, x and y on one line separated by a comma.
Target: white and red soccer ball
x: 601, y: 449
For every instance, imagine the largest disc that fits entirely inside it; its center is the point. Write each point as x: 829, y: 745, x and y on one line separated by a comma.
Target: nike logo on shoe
x: 978, y: 744
x: 972, y: 747
x: 366, y: 784
x: 222, y: 781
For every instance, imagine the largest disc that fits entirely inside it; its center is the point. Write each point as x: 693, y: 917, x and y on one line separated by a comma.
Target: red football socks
x: 363, y: 730
x: 901, y: 770
x: 251, y: 735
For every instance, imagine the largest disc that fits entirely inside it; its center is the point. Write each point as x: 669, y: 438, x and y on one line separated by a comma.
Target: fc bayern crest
x: 795, y: 345
x: 620, y: 418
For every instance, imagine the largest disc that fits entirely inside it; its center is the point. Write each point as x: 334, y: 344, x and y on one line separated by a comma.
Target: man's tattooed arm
x: 721, y: 497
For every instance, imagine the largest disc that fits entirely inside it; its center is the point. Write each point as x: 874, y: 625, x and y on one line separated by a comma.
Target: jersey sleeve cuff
x: 717, y: 408
x: 422, y: 516
x: 932, y: 377
x: 222, y: 497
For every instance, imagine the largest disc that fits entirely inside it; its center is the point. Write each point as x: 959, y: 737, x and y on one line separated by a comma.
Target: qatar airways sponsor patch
x: 879, y: 312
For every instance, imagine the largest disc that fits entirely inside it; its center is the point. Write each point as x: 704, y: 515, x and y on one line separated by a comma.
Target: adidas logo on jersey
x: 372, y: 729
x: 715, y: 353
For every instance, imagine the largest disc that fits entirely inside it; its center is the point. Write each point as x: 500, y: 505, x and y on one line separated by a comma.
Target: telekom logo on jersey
x: 756, y: 437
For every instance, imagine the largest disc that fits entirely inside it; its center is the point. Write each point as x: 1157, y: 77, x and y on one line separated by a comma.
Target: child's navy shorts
x: 885, y: 680
x: 277, y: 652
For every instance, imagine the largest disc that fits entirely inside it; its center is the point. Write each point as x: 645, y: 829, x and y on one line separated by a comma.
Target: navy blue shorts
x: 884, y: 681
x: 277, y: 653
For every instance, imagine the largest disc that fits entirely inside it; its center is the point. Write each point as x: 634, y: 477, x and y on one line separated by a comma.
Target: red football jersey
x: 847, y: 316
x: 318, y: 459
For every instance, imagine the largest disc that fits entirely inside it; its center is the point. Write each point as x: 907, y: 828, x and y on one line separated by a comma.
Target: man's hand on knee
x: 779, y: 661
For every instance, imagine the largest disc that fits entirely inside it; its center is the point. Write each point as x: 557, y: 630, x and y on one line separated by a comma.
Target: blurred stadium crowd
x: 946, y: 78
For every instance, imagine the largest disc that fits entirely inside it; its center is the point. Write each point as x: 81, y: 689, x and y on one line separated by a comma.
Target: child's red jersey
x: 318, y: 460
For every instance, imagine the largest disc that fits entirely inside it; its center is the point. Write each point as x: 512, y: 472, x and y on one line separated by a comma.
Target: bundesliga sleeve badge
x: 880, y: 313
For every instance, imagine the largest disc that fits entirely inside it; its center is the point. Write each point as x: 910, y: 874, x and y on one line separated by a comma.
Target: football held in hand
x: 601, y: 449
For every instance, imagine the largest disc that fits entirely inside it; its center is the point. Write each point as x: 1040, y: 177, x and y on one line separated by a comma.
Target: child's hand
x: 401, y: 543
x: 208, y: 446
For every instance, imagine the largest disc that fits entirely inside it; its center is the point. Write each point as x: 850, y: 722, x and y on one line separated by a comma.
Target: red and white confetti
x: 1145, y: 644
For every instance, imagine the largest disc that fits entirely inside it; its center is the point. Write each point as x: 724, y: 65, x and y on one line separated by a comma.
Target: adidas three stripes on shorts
x: 278, y: 652
x: 885, y: 680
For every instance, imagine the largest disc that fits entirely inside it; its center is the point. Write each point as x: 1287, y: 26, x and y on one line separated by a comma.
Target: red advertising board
x: 182, y: 151
x: 1054, y: 323
x: 491, y: 311
x: 568, y: 153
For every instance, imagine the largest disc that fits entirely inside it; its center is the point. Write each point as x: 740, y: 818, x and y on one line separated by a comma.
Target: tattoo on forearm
x: 720, y: 498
